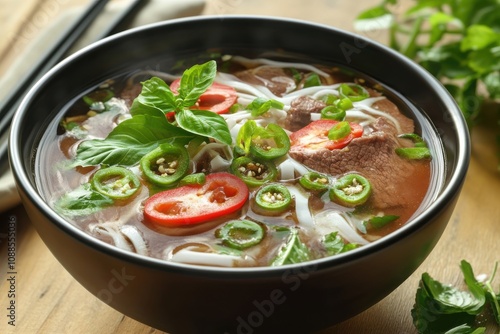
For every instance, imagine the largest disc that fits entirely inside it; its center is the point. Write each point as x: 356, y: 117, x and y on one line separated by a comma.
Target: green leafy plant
x: 442, y: 308
x: 149, y: 126
x: 458, y: 41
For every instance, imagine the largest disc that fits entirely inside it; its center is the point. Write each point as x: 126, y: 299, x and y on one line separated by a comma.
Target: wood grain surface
x: 49, y: 300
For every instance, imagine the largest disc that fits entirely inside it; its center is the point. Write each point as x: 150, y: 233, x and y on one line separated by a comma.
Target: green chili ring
x: 414, y: 153
x: 115, y: 182
x: 241, y: 234
x: 278, y: 136
x: 314, y: 181
x: 274, y: 198
x: 351, y: 190
x: 339, y: 131
x: 333, y: 112
x: 253, y: 172
x: 354, y: 92
x: 165, y: 165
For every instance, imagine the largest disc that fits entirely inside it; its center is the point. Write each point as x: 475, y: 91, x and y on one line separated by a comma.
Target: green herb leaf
x: 195, y: 82
x: 479, y: 37
x: 130, y: 141
x: 154, y: 98
x: 205, y: 123
x: 244, y: 137
x: 260, y: 106
x: 293, y: 251
x: 334, y: 244
x: 81, y: 201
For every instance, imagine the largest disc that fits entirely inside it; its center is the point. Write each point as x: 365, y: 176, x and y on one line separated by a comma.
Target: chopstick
x: 52, y: 57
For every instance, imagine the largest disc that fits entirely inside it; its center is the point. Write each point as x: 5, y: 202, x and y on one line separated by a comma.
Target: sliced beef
x: 372, y: 156
x: 299, y: 114
x: 388, y: 107
x: 276, y: 79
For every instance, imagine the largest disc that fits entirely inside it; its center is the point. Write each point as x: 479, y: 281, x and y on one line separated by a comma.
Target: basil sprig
x: 149, y: 127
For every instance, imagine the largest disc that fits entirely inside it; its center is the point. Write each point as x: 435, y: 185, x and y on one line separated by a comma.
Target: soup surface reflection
x: 238, y: 162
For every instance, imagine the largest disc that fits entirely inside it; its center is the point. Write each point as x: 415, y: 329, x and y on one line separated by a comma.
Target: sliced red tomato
x: 218, y: 98
x: 315, y: 135
x: 221, y: 194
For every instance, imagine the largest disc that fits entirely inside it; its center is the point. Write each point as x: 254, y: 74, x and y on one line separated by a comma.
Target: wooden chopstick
x: 52, y: 57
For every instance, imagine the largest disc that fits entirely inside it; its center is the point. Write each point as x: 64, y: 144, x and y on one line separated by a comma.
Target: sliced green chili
x: 353, y: 92
x: 253, y: 172
x: 274, y: 197
x: 339, y: 131
x: 350, y: 190
x: 414, y: 153
x: 241, y: 234
x: 115, y: 182
x: 333, y: 112
x: 270, y: 142
x: 165, y: 165
x: 197, y: 178
x: 312, y: 80
x: 95, y: 100
x: 418, y: 152
x: 378, y: 222
x: 343, y: 103
x: 314, y: 181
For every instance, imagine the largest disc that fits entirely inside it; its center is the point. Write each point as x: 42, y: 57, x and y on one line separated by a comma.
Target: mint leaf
x: 205, y: 123
x: 81, y: 201
x: 195, y: 81
x: 130, y: 141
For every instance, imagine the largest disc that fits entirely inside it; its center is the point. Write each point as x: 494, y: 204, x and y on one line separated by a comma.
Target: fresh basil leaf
x: 155, y: 95
x: 440, y: 307
x: 81, y: 201
x: 195, y: 81
x: 465, y: 329
x: 130, y: 141
x: 474, y: 287
x: 205, y: 123
x: 334, y: 244
x: 260, y: 106
x: 292, y: 251
x: 449, y: 300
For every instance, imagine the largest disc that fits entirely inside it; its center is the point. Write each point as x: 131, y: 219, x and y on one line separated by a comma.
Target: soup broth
x: 275, y: 162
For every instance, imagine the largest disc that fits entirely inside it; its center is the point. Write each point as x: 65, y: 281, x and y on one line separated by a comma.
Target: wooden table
x: 49, y: 300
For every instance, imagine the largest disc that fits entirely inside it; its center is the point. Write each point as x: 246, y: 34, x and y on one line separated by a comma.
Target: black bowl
x: 191, y: 299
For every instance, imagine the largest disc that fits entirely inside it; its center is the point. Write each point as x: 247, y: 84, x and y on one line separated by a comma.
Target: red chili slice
x: 218, y: 98
x: 221, y: 194
x: 315, y: 135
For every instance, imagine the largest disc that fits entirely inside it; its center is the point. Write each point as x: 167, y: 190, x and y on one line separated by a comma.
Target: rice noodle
x: 126, y: 237
x: 302, y: 211
x: 275, y: 63
x: 290, y: 168
x: 186, y: 255
x: 329, y: 221
x: 135, y: 238
x: 112, y: 230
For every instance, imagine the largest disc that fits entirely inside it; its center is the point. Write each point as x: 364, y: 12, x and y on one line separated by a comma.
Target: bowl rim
x: 446, y: 194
